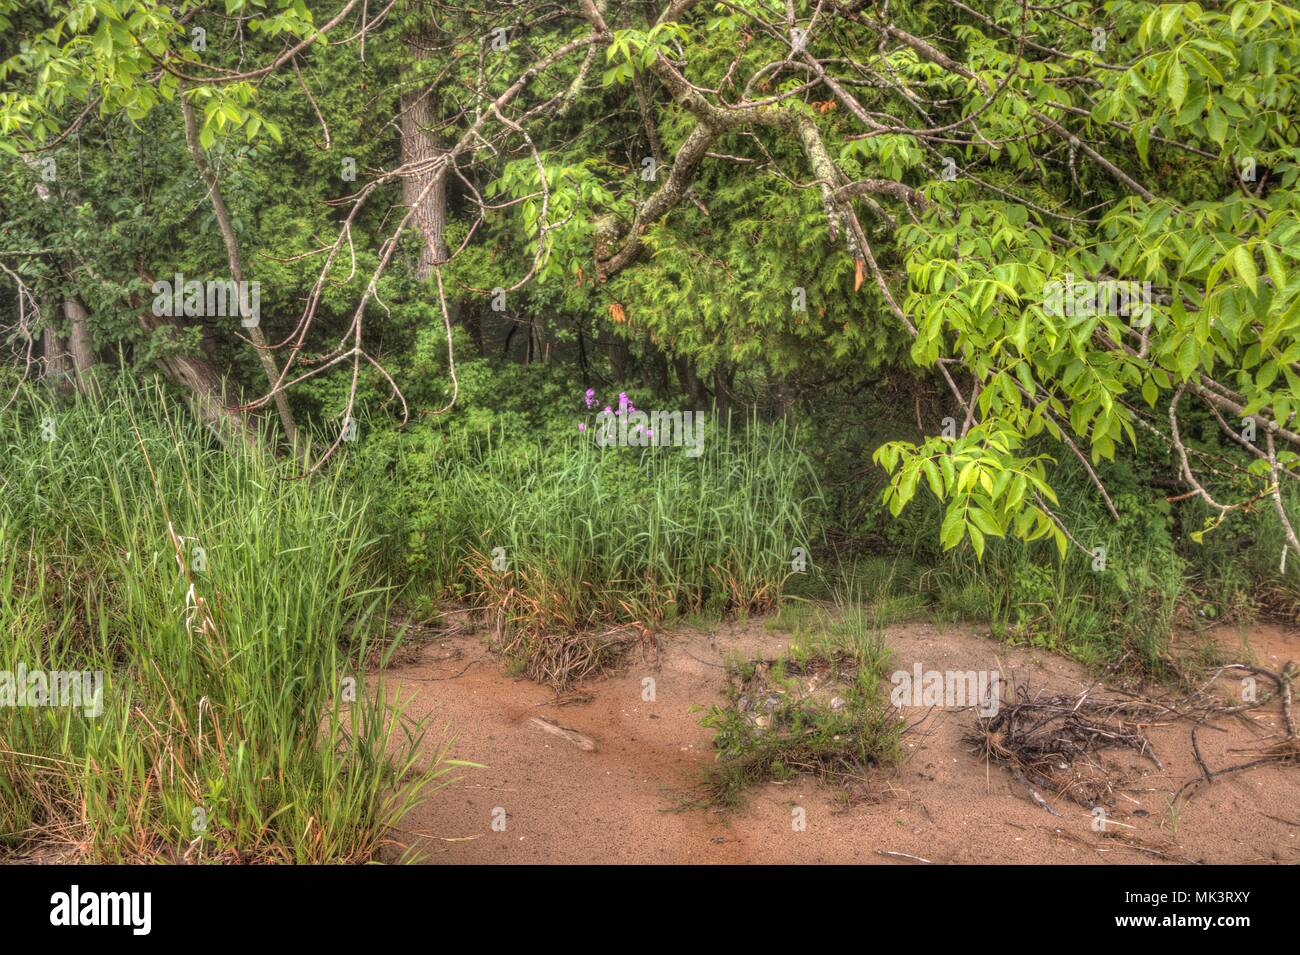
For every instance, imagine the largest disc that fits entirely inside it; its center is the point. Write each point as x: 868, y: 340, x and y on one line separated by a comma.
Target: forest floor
x: 623, y: 801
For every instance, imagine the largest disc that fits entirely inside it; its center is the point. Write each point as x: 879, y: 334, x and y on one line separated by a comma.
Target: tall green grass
x: 231, y: 729
x: 565, y: 536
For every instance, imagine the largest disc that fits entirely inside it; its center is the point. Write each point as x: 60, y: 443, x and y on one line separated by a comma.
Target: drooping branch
x: 231, y: 241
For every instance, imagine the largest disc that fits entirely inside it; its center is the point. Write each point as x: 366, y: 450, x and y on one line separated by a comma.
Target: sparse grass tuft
x: 818, y: 709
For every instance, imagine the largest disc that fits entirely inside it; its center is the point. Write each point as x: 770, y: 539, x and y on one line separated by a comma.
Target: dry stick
x: 1119, y: 174
x: 1282, y: 680
x: 1199, y: 490
x: 1285, y: 683
x: 1031, y: 735
x: 1194, y: 784
x: 1287, y: 751
x: 902, y: 855
x: 1176, y: 436
x: 584, y: 743
x: 451, y: 355
x: 1238, y: 439
x: 1196, y: 751
x: 1224, y: 398
x: 311, y: 99
x: 26, y: 305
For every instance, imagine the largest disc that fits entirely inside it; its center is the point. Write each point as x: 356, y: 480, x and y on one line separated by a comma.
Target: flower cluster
x: 625, y: 407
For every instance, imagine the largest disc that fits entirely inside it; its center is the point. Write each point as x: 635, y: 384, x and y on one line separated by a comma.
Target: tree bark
x: 58, y: 364
x: 66, y: 368
x: 689, y: 381
x: 197, y: 376
x: 68, y: 360
x: 618, y: 359
x: 779, y: 385
x: 81, y: 350
x: 473, y: 323
x: 418, y: 147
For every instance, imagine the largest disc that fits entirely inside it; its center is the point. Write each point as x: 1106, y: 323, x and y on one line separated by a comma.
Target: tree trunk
x: 424, y: 189
x: 81, y: 351
x: 206, y: 387
x: 473, y: 323
x: 661, y: 372
x: 779, y: 386
x: 618, y: 359
x: 689, y: 381
x: 722, y: 378
x: 58, y: 364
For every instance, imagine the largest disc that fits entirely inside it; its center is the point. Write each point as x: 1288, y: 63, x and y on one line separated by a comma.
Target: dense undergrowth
x: 230, y: 606
x: 560, y: 538
x: 594, y: 537
x: 1118, y: 593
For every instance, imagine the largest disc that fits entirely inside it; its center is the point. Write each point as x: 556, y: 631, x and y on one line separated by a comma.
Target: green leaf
x: 1142, y: 139
x: 1169, y: 19
x: 932, y: 478
x: 1150, y: 392
x: 1243, y: 263
x: 1189, y: 355
x: 1276, y: 270
x: 1176, y: 84
x: 985, y: 521
x: 103, y: 40
x: 953, y: 529
x: 1217, y: 126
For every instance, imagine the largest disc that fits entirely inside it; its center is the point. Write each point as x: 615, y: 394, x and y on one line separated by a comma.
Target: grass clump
x: 817, y: 709
x: 230, y: 613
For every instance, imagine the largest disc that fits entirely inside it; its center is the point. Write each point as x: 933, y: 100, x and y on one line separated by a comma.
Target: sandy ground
x: 621, y: 802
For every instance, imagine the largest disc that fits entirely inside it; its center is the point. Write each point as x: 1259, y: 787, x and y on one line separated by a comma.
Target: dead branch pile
x: 1052, y: 742
x: 561, y: 659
